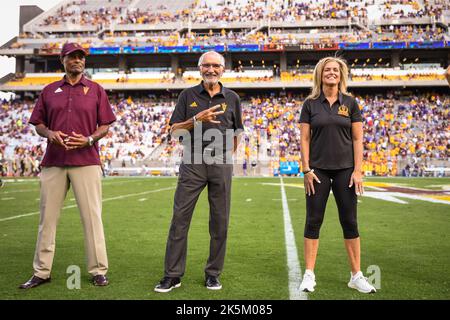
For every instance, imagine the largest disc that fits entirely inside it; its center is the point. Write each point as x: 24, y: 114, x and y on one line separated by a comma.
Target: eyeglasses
x: 209, y: 65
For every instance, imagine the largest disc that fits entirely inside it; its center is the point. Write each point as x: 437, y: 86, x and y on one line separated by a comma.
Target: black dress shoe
x: 213, y: 283
x: 167, y: 284
x: 34, y: 282
x: 100, y: 280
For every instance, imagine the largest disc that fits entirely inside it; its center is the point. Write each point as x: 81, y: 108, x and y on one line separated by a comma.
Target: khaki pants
x: 86, y: 183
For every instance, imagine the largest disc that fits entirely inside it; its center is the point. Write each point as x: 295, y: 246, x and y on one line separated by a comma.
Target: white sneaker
x: 308, y: 282
x: 360, y: 283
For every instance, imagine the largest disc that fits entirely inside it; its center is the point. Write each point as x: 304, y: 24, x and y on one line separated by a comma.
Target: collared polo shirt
x: 331, y: 144
x: 80, y: 108
x: 196, y: 99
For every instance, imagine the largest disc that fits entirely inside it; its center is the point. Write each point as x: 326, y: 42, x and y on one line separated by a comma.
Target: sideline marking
x: 295, y: 272
x: 104, y: 200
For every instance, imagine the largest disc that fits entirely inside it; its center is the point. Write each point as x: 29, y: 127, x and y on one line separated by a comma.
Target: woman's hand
x: 308, y: 180
x: 356, y: 179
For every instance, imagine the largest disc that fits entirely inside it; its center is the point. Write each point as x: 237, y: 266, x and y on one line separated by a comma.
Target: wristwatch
x: 196, y: 122
x: 90, y: 141
x: 308, y: 171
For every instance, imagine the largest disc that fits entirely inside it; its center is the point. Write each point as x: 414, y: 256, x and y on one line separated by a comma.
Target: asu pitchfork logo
x: 343, y: 110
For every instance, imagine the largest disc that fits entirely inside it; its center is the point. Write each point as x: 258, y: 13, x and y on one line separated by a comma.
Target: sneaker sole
x: 306, y: 289
x: 168, y: 290
x: 101, y: 285
x: 214, y: 288
x: 362, y: 291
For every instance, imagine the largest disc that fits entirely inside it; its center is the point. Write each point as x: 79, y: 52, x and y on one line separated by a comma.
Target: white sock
x: 309, y: 271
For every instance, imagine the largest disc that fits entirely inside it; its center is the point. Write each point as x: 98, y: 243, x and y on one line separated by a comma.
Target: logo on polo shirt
x: 85, y: 90
x: 58, y: 90
x: 194, y: 104
x: 224, y: 106
x: 343, y: 111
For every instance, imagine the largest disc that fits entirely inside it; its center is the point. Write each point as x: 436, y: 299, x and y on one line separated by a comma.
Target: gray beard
x: 209, y: 82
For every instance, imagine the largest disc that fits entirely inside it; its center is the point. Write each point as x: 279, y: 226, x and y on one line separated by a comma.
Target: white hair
x: 222, y: 59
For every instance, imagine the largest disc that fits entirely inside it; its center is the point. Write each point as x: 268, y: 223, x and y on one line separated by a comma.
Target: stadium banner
x: 325, y: 46
x: 297, y: 47
x: 354, y: 46
x: 273, y: 47
x: 289, y: 167
x: 313, y: 47
x: 173, y: 49
x: 389, y: 45
x: 218, y: 48
x: 305, y: 47
x: 104, y: 50
x: 138, y: 50
x: 426, y: 45
x: 243, y: 47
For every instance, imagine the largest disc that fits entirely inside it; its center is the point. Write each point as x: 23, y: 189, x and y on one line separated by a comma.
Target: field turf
x: 409, y: 243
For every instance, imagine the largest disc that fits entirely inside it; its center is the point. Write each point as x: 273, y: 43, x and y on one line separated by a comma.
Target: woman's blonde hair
x: 317, y: 79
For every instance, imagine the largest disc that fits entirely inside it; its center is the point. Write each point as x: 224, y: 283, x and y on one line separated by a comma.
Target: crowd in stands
x: 77, y: 12
x: 110, y: 16
x: 397, y: 126
x: 20, y: 148
x: 74, y: 13
x: 397, y: 9
x: 415, y: 126
x: 410, y: 33
x: 276, y: 37
x: 273, y: 120
x: 141, y: 126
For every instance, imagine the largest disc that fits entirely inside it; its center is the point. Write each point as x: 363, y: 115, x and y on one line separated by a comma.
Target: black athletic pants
x: 346, y: 201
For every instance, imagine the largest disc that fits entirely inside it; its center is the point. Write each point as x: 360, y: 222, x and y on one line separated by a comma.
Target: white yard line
x: 295, y: 272
x: 20, y: 190
x: 104, y: 200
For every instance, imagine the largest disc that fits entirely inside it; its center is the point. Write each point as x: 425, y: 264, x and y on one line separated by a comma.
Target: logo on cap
x: 70, y: 47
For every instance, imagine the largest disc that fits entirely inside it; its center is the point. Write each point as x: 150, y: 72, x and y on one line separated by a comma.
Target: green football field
x: 404, y: 226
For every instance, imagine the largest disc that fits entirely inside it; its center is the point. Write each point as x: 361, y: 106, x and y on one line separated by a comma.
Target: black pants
x: 346, y: 201
x: 191, y: 182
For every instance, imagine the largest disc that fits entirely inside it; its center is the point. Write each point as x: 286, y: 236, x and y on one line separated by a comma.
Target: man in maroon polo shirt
x: 73, y: 114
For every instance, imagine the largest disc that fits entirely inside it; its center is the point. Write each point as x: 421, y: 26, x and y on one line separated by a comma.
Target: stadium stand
x: 144, y: 52
x: 411, y: 128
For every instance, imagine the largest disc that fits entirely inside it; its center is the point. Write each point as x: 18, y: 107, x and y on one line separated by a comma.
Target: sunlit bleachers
x: 232, y: 76
x: 135, y: 77
x: 36, y: 79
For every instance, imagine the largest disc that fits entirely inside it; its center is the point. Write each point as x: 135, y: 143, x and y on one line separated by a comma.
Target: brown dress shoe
x: 100, y: 280
x: 34, y: 282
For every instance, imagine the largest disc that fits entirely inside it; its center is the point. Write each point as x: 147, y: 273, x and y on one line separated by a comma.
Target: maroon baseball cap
x: 70, y: 47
